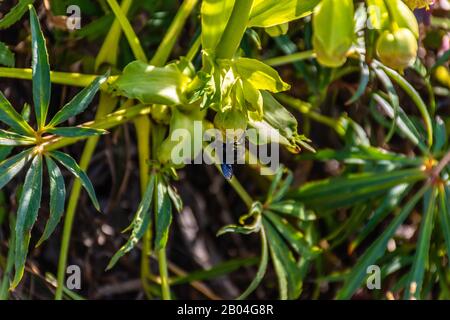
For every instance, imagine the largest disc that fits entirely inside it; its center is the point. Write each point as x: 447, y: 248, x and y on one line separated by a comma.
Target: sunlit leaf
x: 15, y: 13
x: 163, y: 215
x: 71, y: 165
x: 12, y: 118
x: 76, y: 132
x: 12, y: 166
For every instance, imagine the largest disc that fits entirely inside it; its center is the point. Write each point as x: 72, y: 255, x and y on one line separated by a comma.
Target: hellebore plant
x: 227, y: 89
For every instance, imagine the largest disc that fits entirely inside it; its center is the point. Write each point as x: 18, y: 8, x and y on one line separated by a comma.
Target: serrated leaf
x: 8, y: 138
x: 294, y: 209
x: 6, y: 56
x: 12, y: 118
x: 376, y: 250
x: 289, y: 277
x: 12, y: 166
x: 79, y: 103
x: 422, y: 247
x: 57, y: 199
x: 29, y: 204
x: 139, y: 225
x: 163, y: 215
x: 71, y: 165
x: 150, y: 84
x: 268, y: 13
x: 15, y: 13
x: 41, y: 70
x: 348, y: 190
x: 260, y: 75
x: 76, y: 132
x: 293, y: 237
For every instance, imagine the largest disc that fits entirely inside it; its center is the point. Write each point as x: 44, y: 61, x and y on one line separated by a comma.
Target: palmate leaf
x: 422, y: 247
x: 139, y: 225
x: 76, y: 132
x: 163, y: 214
x: 376, y: 250
x: 15, y: 13
x: 29, y: 204
x: 41, y: 70
x: 79, y: 103
x: 12, y: 166
x: 71, y: 165
x: 57, y: 199
x: 8, y: 138
x: 12, y: 118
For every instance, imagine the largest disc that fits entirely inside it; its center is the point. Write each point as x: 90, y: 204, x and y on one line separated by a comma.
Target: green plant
x: 392, y: 155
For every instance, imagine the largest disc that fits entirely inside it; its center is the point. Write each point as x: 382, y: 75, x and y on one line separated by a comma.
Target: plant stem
x: 291, y: 58
x: 163, y: 52
x: 133, y: 40
x: 235, y: 29
x: 164, y: 274
x: 65, y: 78
x: 441, y: 165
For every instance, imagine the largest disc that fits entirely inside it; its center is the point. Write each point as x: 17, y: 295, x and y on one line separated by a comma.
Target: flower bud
x: 397, y: 49
x: 333, y: 31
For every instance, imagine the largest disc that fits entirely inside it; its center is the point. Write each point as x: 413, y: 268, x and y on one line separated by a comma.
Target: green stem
x: 133, y: 40
x: 65, y: 78
x: 291, y: 58
x: 164, y: 274
x: 235, y: 29
x: 163, y: 52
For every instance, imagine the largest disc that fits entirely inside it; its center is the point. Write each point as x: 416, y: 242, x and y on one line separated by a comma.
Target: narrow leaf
x: 163, y: 215
x: 12, y: 118
x: 6, y: 56
x: 29, y: 204
x: 12, y: 166
x: 15, y: 13
x: 57, y: 199
x: 79, y: 103
x: 71, y: 165
x: 139, y: 225
x: 41, y: 70
x: 76, y: 132
x: 8, y: 138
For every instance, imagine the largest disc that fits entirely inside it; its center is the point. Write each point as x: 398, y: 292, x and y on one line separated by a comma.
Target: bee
x: 227, y: 168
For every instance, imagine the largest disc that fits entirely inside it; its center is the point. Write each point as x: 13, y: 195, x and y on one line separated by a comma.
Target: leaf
x: 15, y: 14
x: 376, y: 250
x: 139, y: 225
x: 261, y: 268
x: 163, y: 215
x: 294, y: 209
x: 289, y: 277
x: 354, y: 188
x: 260, y: 75
x: 8, y: 138
x: 176, y: 199
x: 29, y: 204
x: 422, y: 247
x: 415, y: 96
x: 6, y: 56
x: 268, y: 13
x: 79, y: 103
x: 12, y: 166
x: 363, y: 82
x: 12, y: 118
x: 41, y: 70
x: 444, y: 217
x: 71, y: 165
x: 215, y: 15
x: 151, y: 85
x: 440, y: 135
x: 294, y: 237
x: 57, y: 199
x: 76, y: 132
